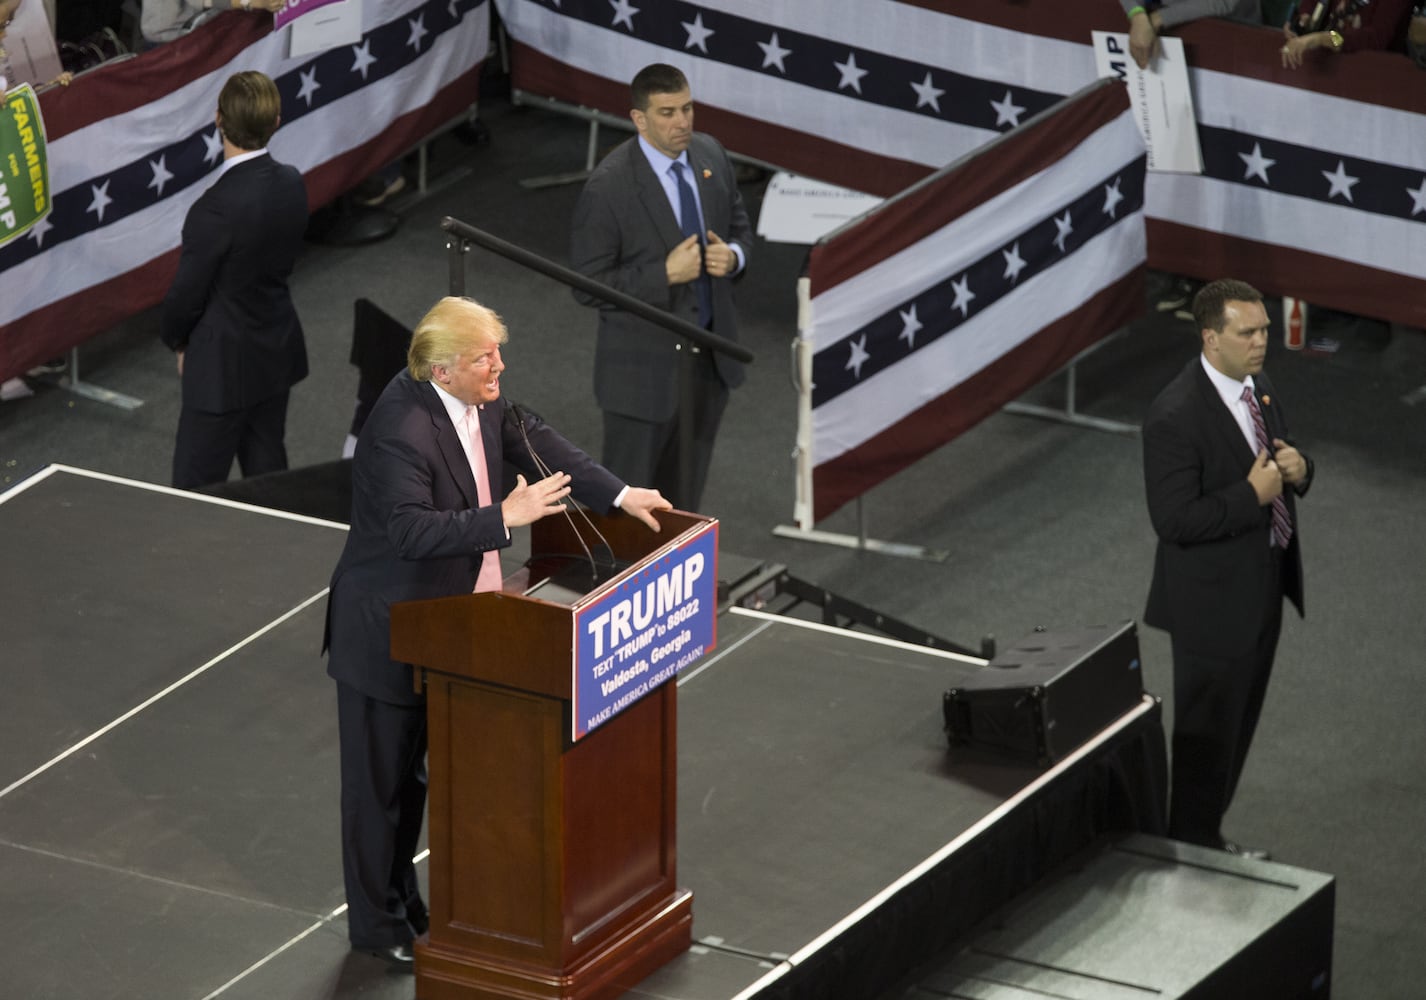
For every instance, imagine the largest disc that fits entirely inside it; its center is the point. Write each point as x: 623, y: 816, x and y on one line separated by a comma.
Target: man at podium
x: 426, y: 523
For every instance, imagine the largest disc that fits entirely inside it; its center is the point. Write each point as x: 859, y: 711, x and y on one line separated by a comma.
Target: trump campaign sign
x: 642, y: 629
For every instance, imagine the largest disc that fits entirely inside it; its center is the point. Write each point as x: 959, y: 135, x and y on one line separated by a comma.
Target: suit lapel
x: 1272, y: 418
x: 448, y: 443
x: 709, y: 193
x: 649, y: 192
x: 1277, y: 428
x: 490, y: 416
x: 1224, y: 424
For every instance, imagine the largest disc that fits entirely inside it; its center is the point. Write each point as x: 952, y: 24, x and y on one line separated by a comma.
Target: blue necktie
x: 688, y: 222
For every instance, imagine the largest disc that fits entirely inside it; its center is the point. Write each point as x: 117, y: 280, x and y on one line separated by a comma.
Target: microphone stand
x: 519, y: 415
x: 687, y: 379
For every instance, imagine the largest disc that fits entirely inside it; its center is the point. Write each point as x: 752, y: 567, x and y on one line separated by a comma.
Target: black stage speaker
x: 1048, y: 693
x: 379, y: 344
x: 323, y: 490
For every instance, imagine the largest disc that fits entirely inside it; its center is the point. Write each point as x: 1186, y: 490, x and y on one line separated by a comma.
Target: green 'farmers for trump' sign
x: 24, y: 172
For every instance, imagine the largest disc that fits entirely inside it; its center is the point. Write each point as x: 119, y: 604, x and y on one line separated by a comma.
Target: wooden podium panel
x: 553, y: 863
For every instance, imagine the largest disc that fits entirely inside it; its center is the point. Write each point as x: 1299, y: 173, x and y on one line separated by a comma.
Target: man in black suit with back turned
x: 1222, y: 476
x: 661, y: 219
x: 228, y: 314
x: 425, y: 523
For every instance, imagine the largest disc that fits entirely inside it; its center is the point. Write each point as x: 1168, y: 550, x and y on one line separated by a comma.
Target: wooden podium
x: 552, y: 869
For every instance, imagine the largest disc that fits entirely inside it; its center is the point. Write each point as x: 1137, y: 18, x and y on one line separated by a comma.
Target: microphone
x: 518, y: 414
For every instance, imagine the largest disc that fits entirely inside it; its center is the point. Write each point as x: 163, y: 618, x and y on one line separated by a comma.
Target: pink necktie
x: 1282, y: 525
x: 489, y: 578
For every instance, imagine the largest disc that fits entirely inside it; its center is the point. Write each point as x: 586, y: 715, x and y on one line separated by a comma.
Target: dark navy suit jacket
x: 229, y: 308
x: 417, y: 530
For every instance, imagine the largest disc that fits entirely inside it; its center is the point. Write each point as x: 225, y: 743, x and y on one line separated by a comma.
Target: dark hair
x: 658, y: 78
x: 251, y: 107
x: 1209, y: 303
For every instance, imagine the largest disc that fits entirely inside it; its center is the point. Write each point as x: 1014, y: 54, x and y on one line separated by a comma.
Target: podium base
x: 444, y: 972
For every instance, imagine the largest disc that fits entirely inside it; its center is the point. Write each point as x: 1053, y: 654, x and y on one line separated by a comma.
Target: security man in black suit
x: 228, y: 314
x: 1222, y: 476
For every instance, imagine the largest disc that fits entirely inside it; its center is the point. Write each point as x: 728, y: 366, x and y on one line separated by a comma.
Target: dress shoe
x: 472, y: 133
x: 399, y: 956
x: 1251, y: 853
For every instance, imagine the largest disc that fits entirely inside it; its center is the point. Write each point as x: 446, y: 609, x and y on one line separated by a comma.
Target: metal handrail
x: 695, y: 334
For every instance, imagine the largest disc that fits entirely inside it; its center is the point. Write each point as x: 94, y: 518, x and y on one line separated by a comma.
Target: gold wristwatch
x: 1335, y: 37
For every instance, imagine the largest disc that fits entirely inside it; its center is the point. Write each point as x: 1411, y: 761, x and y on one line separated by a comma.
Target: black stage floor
x: 168, y: 775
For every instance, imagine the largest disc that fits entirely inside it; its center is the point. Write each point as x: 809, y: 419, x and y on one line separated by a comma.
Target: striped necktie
x: 1282, y: 524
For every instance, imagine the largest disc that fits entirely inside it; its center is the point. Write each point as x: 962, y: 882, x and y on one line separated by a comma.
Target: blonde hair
x: 453, y: 326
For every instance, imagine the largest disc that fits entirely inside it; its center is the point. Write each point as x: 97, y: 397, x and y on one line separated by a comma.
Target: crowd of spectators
x: 1311, y: 28
x: 90, y: 32
x: 1345, y: 26
x: 1416, y: 35
x: 164, y: 20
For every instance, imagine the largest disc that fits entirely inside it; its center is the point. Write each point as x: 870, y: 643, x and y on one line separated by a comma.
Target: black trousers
x: 646, y: 453
x: 1217, y: 702
x: 207, y: 443
x: 383, y: 761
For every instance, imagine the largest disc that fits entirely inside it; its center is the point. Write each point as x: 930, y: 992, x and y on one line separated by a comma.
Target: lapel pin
x: 1267, y: 400
x: 707, y: 173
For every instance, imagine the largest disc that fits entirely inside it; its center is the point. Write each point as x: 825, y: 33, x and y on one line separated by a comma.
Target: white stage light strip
x: 946, y: 654
x: 146, y: 877
x: 862, y: 912
x: 710, y: 660
x: 286, y: 515
x: 292, y: 941
x: 164, y: 693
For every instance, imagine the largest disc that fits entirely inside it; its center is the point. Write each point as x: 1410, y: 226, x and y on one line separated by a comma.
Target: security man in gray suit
x: 661, y: 219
